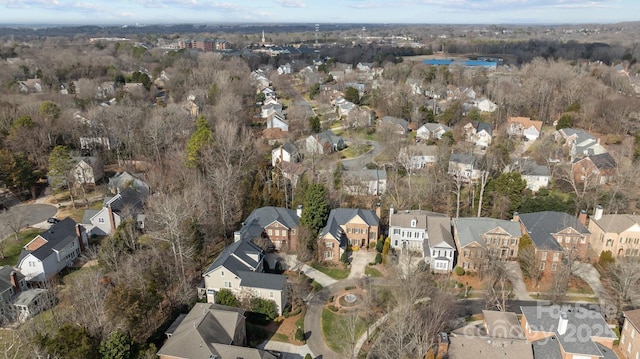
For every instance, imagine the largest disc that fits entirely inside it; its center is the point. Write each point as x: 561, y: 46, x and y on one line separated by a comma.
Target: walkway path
x: 589, y: 274
x: 294, y: 265
x: 519, y: 288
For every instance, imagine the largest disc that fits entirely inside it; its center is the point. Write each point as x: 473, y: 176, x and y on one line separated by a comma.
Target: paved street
x: 358, y: 163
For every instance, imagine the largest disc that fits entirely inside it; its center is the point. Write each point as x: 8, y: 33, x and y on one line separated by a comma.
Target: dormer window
x: 414, y: 223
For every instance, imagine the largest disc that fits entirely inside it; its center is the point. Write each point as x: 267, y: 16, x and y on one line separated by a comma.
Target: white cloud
x: 291, y: 3
x: 21, y: 4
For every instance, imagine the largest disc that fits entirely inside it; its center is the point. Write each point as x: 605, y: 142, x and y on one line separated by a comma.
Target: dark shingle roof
x: 262, y: 280
x: 541, y: 226
x: 57, y: 237
x: 127, y: 199
x: 233, y: 256
x: 5, y: 277
x: 471, y: 229
x: 484, y: 126
x: 264, y: 216
x: 603, y: 161
x: 340, y: 216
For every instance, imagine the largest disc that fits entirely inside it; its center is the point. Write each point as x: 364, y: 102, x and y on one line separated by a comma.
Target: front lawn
x: 335, y: 328
x: 372, y: 272
x: 333, y: 272
x: 13, y: 248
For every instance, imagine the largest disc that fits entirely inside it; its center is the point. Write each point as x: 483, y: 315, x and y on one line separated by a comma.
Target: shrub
x: 308, y: 356
x: 606, y: 259
x: 459, y: 271
x: 226, y: 297
x: 332, y: 308
x: 380, y: 245
x: 350, y: 287
x: 300, y: 335
x: 316, y: 286
x: 344, y: 258
x: 331, y: 299
x: 264, y: 306
x: 378, y: 258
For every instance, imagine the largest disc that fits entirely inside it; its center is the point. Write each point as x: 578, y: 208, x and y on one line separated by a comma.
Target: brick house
x: 630, y: 335
x: 618, y: 233
x: 347, y: 227
x: 280, y: 226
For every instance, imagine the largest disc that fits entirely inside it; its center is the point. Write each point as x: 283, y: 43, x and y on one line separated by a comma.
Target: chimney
x: 563, y: 322
x: 516, y: 217
x: 582, y: 217
x: 14, y: 281
x: 112, y: 221
x: 378, y: 210
x: 299, y: 211
x: 80, y: 239
x: 236, y: 236
x: 597, y: 215
x: 391, y: 210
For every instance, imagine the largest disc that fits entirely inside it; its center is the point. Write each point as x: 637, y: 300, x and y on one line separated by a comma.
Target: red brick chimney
x: 14, y: 281
x: 582, y: 217
x: 112, y: 221
x: 80, y: 239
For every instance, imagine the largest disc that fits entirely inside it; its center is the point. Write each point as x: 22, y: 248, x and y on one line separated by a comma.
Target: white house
x: 52, y: 250
x: 277, y: 120
x: 365, y: 182
x: 418, y: 156
x: 239, y: 268
x: 479, y: 133
x: 524, y: 127
x: 537, y: 176
x: 428, y: 234
x: 88, y: 170
x: 286, y: 153
x: 485, y: 105
x: 465, y: 166
x: 126, y: 204
x: 431, y: 130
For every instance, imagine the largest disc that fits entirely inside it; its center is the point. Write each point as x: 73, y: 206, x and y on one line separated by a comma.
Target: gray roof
x: 483, y: 126
x: 57, y: 237
x: 397, y: 121
x: 260, y: 218
x: 439, y: 229
x: 587, y: 323
x: 475, y: 347
x: 403, y: 218
x: 367, y: 174
x: 329, y: 137
x: 603, y: 161
x: 471, y: 229
x: 208, y: 331
x: 88, y: 214
x: 233, y: 256
x: 262, y: 280
x: 341, y: 216
x: 290, y: 148
x: 541, y: 226
x: 122, y: 180
x: 531, y: 168
x: 435, y: 126
x: 26, y: 297
x: 463, y: 158
x: 503, y: 325
x: 617, y: 223
x: 127, y: 199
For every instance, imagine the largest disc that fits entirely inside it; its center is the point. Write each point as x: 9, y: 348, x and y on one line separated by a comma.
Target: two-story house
x: 479, y: 133
x: 324, y: 143
x: 52, y: 250
x: 127, y: 204
x: 285, y: 153
x: 618, y: 233
x: 239, y: 268
x: 630, y: 334
x: 524, y: 127
x: 280, y: 226
x: 347, y: 227
x: 426, y: 233
x: 398, y: 126
x: 556, y: 236
x: 465, y: 166
x: 210, y: 331
x: 371, y: 182
x: 432, y: 131
x: 570, y: 332
x: 11, y: 283
x: 537, y: 176
x: 88, y: 170
x: 482, y: 239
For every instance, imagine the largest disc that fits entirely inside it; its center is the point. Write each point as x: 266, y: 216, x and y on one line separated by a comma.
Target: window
x: 270, y: 294
x: 227, y: 284
x: 466, y: 253
x: 543, y: 256
x: 554, y: 267
x: 512, y: 252
x: 609, y: 242
x: 277, y: 233
x: 328, y: 255
x: 622, y: 339
x: 395, y: 243
x: 542, y: 265
x: 414, y: 223
x: 556, y: 257
x: 270, y: 231
x: 100, y: 220
x: 293, y: 232
x: 396, y: 231
x: 575, y: 239
x: 560, y: 239
x: 505, y: 242
x: 583, y: 240
x: 514, y: 241
x: 567, y: 240
x: 328, y: 244
x: 348, y: 230
x: 222, y: 274
x: 465, y: 265
x: 633, y: 333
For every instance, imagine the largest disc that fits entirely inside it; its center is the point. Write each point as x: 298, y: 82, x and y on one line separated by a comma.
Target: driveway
x: 589, y: 274
x: 515, y: 277
x: 359, y: 261
x: 358, y: 163
x: 286, y: 350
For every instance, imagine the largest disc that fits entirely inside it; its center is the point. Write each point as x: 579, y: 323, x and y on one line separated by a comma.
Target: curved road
x: 358, y: 163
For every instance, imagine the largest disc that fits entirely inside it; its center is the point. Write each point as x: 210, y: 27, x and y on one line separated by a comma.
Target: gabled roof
x: 475, y: 347
x: 122, y: 180
x: 264, y: 216
x: 5, y: 277
x: 208, y: 332
x: 403, y: 219
x: 541, y: 226
x: 235, y: 257
x: 290, y: 148
x: 633, y: 317
x: 56, y: 237
x: 439, y: 228
x: 127, y: 199
x: 483, y: 126
x: 503, y: 325
x: 471, y: 229
x: 341, y: 216
x: 617, y: 223
x: 462, y: 158
x: 327, y: 136
x: 603, y: 161
x: 262, y: 280
x: 526, y: 122
x: 396, y: 121
x: 531, y: 168
x: 366, y: 174
x: 434, y: 127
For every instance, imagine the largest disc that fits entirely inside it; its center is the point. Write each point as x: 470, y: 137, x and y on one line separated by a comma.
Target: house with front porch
x: 618, y: 233
x: 347, y: 227
x: 481, y: 239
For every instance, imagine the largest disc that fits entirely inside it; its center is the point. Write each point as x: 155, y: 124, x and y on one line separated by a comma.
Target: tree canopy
x: 315, y: 209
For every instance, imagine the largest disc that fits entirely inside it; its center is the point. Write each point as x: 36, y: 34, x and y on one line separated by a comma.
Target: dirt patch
x: 286, y: 327
x: 470, y: 279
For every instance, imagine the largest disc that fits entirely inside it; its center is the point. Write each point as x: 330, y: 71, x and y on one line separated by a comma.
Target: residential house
x: 285, y: 69
x: 424, y: 232
x: 630, y: 334
x: 269, y: 94
x: 364, y: 66
x: 30, y: 86
x: 239, y: 268
x: 210, y: 331
x: 292, y: 171
x: 259, y: 79
x: 431, y: 131
x: 324, y: 143
x: 287, y: 152
x: 356, y: 85
x: 618, y: 233
x: 365, y: 182
x: 465, y: 166
x: 524, y: 127
x: 537, y: 176
x: 581, y: 143
x: 553, y: 332
x: 12, y: 282
x: 347, y: 227
x: 52, y: 250
x: 481, y: 239
x: 479, y: 133
x: 123, y: 180
x: 279, y: 226
x: 418, y: 156
x: 30, y: 302
x: 277, y: 120
x: 396, y: 125
x: 344, y: 107
x: 485, y: 105
x: 500, y: 336
x: 270, y: 109
x: 127, y: 204
x: 88, y: 170
x: 556, y: 236
x: 598, y: 169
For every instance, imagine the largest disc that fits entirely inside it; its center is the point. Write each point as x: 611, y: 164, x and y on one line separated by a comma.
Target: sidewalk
x: 294, y: 264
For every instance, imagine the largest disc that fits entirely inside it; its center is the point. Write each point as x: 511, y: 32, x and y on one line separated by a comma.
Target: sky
x: 148, y: 12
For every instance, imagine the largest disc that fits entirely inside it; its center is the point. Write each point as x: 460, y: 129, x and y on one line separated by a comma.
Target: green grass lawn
x: 334, y: 329
x: 279, y: 337
x: 372, y: 272
x: 356, y: 150
x: 13, y: 248
x: 333, y: 272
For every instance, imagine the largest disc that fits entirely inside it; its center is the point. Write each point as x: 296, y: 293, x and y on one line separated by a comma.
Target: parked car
x: 53, y: 220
